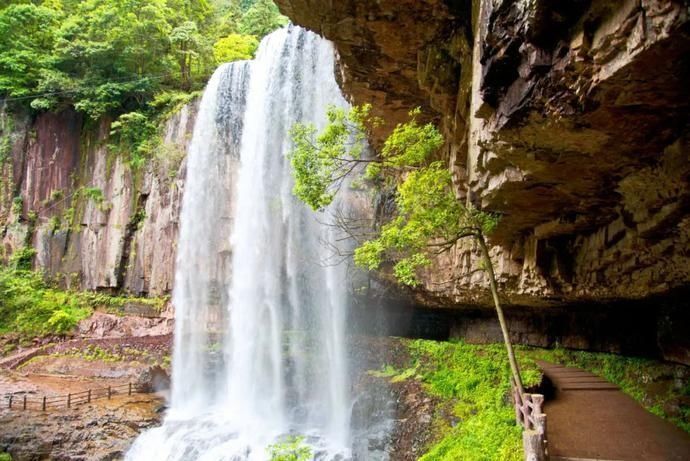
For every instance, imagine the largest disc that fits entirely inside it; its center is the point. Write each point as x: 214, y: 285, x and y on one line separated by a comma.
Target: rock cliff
x: 94, y: 222
x: 569, y: 119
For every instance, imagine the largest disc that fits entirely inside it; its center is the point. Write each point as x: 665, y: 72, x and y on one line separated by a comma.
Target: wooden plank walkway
x: 591, y: 419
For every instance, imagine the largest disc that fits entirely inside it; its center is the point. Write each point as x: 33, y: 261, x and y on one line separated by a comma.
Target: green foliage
x: 472, y: 383
x: 189, y: 46
x: 17, y: 205
x: 290, y: 449
x: 321, y: 161
x: 114, y: 56
x: 168, y: 102
x: 411, y: 143
x: 93, y: 353
x: 27, y: 31
x: 134, y: 61
x: 234, y: 47
x: 93, y: 193
x: 262, y: 18
x: 22, y: 258
x: 54, y: 223
x: 430, y: 219
x: 30, y: 306
x: 135, y: 135
x: 5, y: 148
x: 5, y: 457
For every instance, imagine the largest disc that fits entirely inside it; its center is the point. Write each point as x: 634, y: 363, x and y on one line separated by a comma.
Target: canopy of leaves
x: 429, y: 220
x: 322, y: 161
x: 114, y: 56
x: 234, y: 47
x: 262, y: 18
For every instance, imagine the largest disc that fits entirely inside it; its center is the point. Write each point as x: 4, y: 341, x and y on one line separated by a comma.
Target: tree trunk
x: 499, y: 310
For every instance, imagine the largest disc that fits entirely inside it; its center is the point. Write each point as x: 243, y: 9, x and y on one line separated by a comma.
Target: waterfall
x: 259, y: 348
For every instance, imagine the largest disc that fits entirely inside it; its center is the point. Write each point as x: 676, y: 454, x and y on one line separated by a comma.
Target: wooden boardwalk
x: 591, y: 419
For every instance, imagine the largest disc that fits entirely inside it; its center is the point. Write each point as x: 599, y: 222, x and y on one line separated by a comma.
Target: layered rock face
x: 570, y: 119
x: 94, y: 222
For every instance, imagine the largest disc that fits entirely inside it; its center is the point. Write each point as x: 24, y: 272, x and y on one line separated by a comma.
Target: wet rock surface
x: 391, y: 420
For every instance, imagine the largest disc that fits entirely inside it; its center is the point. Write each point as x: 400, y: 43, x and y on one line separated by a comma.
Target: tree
x: 262, y: 18
x: 27, y: 37
x: 234, y: 47
x: 115, y: 56
x: 429, y: 219
x: 187, y: 43
x: 116, y: 53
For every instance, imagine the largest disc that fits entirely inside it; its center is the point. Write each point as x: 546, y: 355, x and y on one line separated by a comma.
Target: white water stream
x: 259, y: 346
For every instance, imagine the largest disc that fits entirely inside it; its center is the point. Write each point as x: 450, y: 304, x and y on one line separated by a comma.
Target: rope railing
x: 44, y: 403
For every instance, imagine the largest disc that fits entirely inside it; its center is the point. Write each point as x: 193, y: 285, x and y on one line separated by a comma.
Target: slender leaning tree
x: 429, y: 219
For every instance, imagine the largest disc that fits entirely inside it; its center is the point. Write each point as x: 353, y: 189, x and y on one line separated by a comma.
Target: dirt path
x: 590, y: 418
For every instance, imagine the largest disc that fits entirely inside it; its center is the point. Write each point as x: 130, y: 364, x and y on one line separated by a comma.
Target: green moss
x: 5, y: 457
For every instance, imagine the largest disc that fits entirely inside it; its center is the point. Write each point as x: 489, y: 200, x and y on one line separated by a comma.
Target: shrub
x: 290, y: 449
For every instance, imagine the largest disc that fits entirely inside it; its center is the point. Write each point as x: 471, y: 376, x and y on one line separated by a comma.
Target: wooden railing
x: 529, y: 414
x: 26, y: 402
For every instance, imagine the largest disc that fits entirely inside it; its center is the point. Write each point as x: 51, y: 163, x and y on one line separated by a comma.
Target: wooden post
x: 109, y: 392
x: 88, y: 397
x: 69, y: 400
x: 533, y: 443
x: 11, y: 396
x: 534, y: 439
x: 130, y: 388
x: 43, y: 407
x: 24, y: 405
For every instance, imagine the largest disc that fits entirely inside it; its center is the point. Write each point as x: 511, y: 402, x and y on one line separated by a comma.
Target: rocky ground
x: 102, y: 430
x: 107, y: 351
x: 392, y: 420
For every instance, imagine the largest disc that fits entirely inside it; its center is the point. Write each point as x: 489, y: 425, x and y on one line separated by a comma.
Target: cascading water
x: 259, y: 334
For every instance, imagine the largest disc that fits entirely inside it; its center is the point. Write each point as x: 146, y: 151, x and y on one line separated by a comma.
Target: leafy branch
x: 429, y: 220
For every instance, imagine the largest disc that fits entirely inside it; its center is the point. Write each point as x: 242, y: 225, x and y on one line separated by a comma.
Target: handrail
x: 24, y: 402
x: 529, y: 414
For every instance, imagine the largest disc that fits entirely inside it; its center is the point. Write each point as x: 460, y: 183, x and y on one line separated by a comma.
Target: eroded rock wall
x: 95, y: 222
x: 570, y: 119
